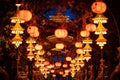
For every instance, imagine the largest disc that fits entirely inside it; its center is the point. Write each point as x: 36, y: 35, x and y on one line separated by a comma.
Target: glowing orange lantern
x: 32, y: 29
x: 84, y: 33
x: 59, y: 45
x: 99, y: 7
x: 61, y: 33
x: 78, y: 44
x: 46, y: 62
x: 68, y: 58
x: 58, y: 64
x: 24, y: 15
x: 90, y: 27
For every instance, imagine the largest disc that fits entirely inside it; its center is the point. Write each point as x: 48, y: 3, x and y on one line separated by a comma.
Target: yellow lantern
x: 101, y: 41
x: 30, y: 55
x: 59, y: 45
x: 61, y: 33
x: 78, y: 44
x: 85, y: 33
x: 58, y: 64
x: 68, y: 58
x: 17, y: 40
x: 38, y: 47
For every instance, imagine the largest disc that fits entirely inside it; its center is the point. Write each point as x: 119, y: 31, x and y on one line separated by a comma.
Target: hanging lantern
x: 68, y: 58
x: 30, y: 55
x: 101, y: 41
x: 32, y: 29
x: 87, y: 47
x: 38, y: 47
x: 59, y: 45
x: 79, y: 51
x: 65, y: 65
x: 61, y: 33
x: 90, y: 27
x: 58, y: 64
x: 30, y: 40
x: 37, y: 63
x: 81, y: 63
x: 30, y: 47
x: 100, y: 29
x: 87, y: 56
x: 52, y: 71
x: 84, y: 33
x: 17, y: 28
x: 25, y: 15
x: 17, y: 40
x: 78, y: 44
x: 87, y: 40
x: 100, y: 18
x: 46, y: 63
x: 99, y: 7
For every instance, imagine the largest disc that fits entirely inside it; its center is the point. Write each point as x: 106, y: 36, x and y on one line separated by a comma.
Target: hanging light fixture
x: 87, y: 56
x: 17, y: 40
x: 100, y: 29
x: 17, y: 28
x: 101, y: 41
x: 30, y: 55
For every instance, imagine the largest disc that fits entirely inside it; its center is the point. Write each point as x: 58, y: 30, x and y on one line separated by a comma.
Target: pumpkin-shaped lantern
x: 33, y: 31
x: 58, y: 64
x: 61, y: 33
x: 24, y: 15
x: 78, y: 44
x: 98, y: 7
x: 59, y: 45
x: 90, y: 27
x: 85, y: 33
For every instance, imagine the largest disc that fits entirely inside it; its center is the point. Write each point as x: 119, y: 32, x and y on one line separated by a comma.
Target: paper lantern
x: 32, y: 29
x: 68, y: 58
x: 61, y: 33
x: 90, y: 27
x: 58, y: 64
x: 59, y: 45
x: 78, y: 44
x: 24, y: 15
x: 38, y: 46
x: 46, y: 62
x: 98, y: 7
x: 84, y: 33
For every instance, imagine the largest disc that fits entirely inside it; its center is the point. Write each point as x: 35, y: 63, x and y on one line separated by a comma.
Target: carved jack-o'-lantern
x: 99, y: 7
x: 24, y: 15
x: 61, y: 33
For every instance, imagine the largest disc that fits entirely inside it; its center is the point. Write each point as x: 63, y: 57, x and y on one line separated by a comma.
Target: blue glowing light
x: 52, y: 12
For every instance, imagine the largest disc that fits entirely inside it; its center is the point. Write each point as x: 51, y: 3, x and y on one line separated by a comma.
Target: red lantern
x: 61, y: 33
x: 25, y: 15
x: 84, y: 33
x: 99, y: 7
x: 90, y: 27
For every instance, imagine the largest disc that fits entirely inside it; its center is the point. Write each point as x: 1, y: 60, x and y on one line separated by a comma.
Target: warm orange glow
x: 25, y: 15
x: 99, y: 7
x: 84, y: 33
x: 78, y: 44
x: 59, y: 45
x: 61, y: 33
